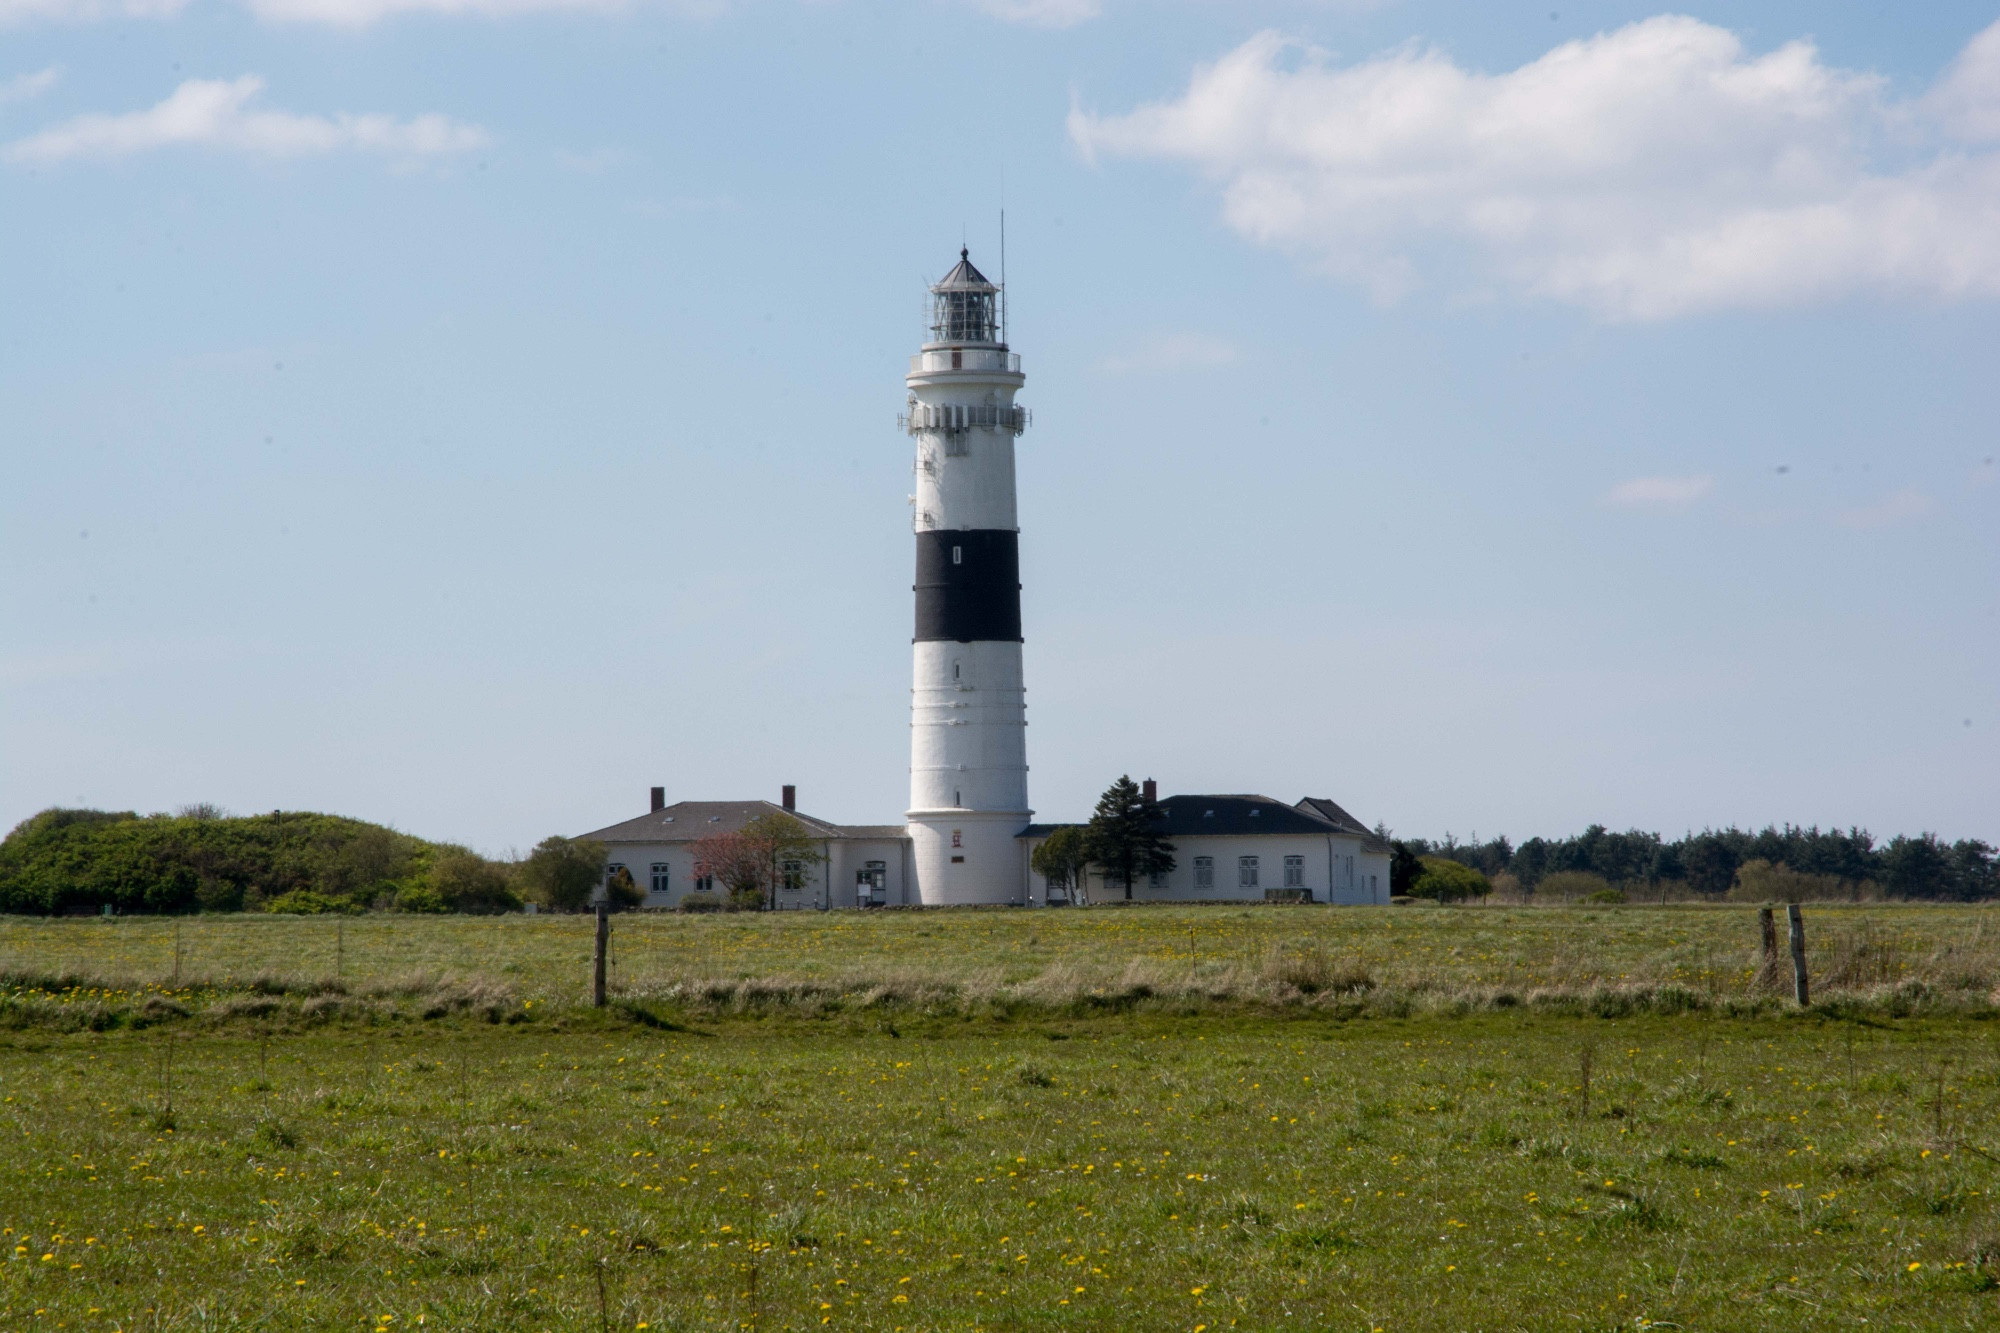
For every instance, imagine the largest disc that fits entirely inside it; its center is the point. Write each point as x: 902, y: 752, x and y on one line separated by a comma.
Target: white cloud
x: 215, y: 113
x: 1898, y: 508
x: 1645, y: 173
x: 77, y: 11
x: 1659, y: 491
x: 1169, y: 352
x: 23, y: 87
x: 1042, y: 13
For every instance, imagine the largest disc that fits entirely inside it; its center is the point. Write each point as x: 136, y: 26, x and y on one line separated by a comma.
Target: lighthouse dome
x: 964, y: 305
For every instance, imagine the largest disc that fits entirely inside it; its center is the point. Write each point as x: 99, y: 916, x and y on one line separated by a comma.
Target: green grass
x: 898, y: 1163
x: 1113, y: 1173
x: 1709, y: 950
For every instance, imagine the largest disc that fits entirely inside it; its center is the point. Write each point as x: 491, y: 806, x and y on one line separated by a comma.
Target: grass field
x: 1431, y: 953
x: 909, y: 1160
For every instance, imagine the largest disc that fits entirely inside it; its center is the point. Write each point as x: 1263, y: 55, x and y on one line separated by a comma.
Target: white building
x: 1244, y: 849
x: 968, y: 704
x: 1226, y: 849
x: 866, y: 865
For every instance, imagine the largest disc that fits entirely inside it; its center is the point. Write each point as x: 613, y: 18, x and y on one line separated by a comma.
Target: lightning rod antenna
x: 1003, y: 265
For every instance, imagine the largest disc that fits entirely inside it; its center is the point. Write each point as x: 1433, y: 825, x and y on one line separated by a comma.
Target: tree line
x: 1789, y: 860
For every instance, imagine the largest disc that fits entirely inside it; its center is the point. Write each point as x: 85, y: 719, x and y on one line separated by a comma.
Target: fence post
x: 1767, y: 928
x: 603, y: 940
x: 1796, y: 921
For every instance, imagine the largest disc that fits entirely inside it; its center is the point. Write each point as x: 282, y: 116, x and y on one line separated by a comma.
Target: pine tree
x: 1124, y: 835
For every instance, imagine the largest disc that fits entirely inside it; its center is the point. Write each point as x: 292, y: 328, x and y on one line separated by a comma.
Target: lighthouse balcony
x: 935, y: 358
x: 954, y: 418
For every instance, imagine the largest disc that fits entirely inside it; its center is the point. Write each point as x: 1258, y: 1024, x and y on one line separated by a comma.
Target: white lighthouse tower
x: 968, y: 708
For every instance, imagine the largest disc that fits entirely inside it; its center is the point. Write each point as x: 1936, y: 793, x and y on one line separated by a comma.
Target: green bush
x: 421, y: 898
x: 1571, y: 886
x: 82, y: 860
x: 1605, y: 896
x: 307, y: 902
x: 468, y: 882
x: 1448, y: 881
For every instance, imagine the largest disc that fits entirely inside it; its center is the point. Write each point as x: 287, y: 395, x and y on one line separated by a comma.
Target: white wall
x: 845, y: 856
x: 1337, y: 870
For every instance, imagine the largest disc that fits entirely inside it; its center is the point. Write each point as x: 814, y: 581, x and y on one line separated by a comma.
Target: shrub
x: 1571, y: 885
x: 1760, y: 881
x: 562, y: 873
x: 468, y: 882
x: 421, y: 898
x: 623, y: 891
x: 1606, y: 896
x: 1448, y: 881
x: 306, y: 902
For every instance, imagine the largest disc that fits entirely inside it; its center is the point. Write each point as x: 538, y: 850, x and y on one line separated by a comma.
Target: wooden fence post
x: 1798, y: 933
x: 603, y: 940
x: 1767, y: 928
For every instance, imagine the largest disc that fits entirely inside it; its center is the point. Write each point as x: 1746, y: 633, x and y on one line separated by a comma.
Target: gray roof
x: 687, y: 820
x: 1187, y: 816
x: 964, y: 276
x: 1190, y: 816
x: 1332, y: 813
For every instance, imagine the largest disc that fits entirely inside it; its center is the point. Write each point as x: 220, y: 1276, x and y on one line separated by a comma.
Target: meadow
x: 956, y: 1121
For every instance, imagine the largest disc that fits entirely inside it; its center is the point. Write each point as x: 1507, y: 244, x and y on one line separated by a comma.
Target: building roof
x: 1332, y: 813
x: 687, y: 820
x: 964, y: 276
x: 1189, y: 816
x: 1234, y: 816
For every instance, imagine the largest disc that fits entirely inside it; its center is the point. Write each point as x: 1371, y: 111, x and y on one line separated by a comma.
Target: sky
x: 467, y: 414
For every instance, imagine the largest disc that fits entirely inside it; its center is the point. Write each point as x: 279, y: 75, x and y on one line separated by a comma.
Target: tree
x: 1124, y: 837
x: 563, y: 873
x: 1405, y: 868
x: 729, y: 859
x: 753, y: 861
x: 1062, y: 858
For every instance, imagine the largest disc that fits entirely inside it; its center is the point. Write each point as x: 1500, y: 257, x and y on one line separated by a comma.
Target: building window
x: 1204, y: 872
x: 704, y: 884
x: 1295, y: 872
x: 1246, y: 872
x: 957, y: 837
x: 611, y: 871
x: 660, y: 876
x: 871, y: 883
x: 1157, y: 880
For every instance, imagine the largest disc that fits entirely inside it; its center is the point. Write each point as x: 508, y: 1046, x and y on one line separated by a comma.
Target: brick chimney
x: 790, y: 798
x: 659, y: 799
x: 1149, y: 791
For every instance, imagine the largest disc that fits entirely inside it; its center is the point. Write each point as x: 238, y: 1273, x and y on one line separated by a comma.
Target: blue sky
x: 1498, y: 418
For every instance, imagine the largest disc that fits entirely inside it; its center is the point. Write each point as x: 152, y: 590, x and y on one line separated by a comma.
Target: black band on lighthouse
x: 969, y: 586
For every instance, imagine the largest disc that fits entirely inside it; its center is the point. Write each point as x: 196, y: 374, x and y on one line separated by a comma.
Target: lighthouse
x: 968, y: 705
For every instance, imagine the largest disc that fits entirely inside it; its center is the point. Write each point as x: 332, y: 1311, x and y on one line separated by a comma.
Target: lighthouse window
x: 958, y: 555
x: 954, y: 665
x: 957, y: 838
